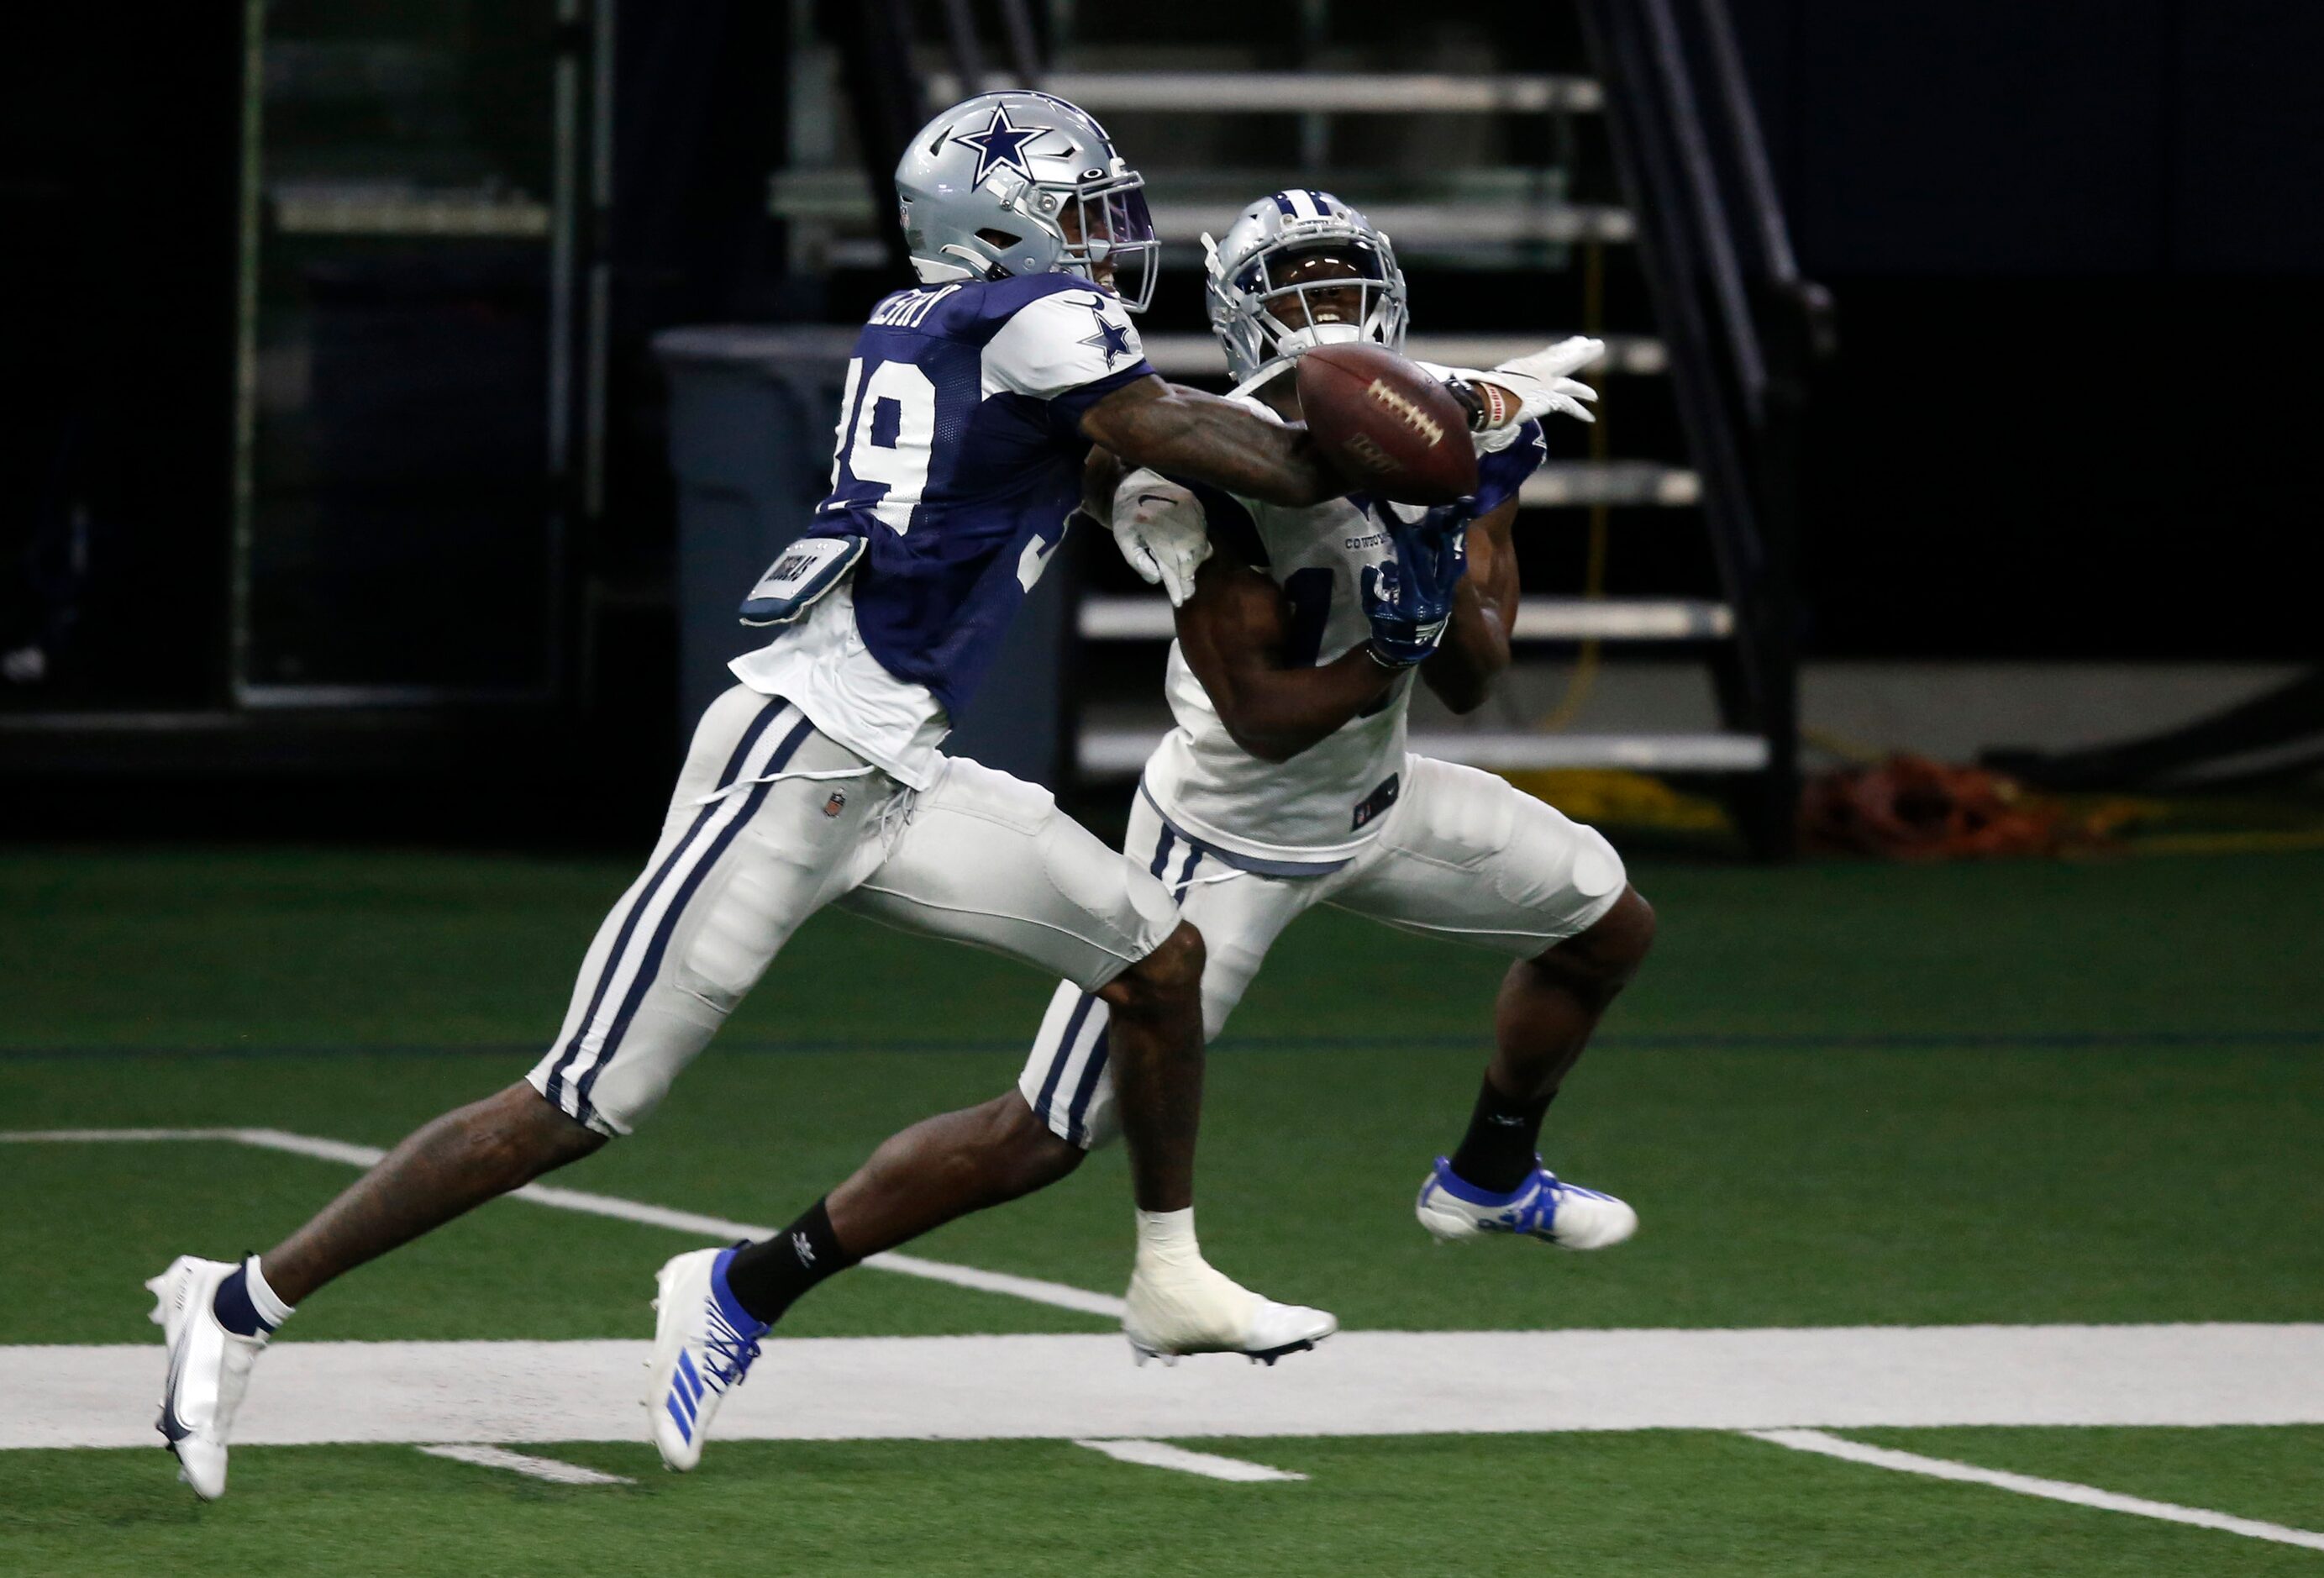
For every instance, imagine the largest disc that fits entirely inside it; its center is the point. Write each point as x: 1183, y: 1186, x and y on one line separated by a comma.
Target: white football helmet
x: 1262, y: 318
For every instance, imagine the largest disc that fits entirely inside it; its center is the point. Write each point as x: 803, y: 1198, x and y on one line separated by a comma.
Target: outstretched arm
x: 1187, y: 433
x: 1476, y: 647
x: 1234, y: 631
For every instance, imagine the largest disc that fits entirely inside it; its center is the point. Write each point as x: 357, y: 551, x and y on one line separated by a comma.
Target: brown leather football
x: 1391, y: 429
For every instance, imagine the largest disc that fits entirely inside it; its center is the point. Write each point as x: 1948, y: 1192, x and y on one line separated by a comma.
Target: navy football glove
x: 1409, y: 601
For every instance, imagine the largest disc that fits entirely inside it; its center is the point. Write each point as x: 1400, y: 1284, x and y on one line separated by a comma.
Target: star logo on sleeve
x: 1000, y: 143
x: 1112, y: 338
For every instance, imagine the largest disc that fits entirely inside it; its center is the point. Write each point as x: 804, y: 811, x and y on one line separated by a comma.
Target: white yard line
x: 100, y: 1136
x: 518, y: 1462
x: 1161, y: 1454
x: 1938, y: 1468
x: 1056, y: 1295
x: 1768, y: 1384
x: 1082, y: 1387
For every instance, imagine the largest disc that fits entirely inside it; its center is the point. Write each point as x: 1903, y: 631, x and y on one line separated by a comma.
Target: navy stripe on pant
x: 651, y: 965
x: 774, y: 708
x: 1085, y: 1088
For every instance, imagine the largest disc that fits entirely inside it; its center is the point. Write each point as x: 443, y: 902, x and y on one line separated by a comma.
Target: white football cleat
x: 1545, y: 1207
x: 210, y: 1367
x: 703, y: 1347
x: 1186, y: 1306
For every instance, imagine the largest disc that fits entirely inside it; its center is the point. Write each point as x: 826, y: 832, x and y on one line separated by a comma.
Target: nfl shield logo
x: 836, y: 804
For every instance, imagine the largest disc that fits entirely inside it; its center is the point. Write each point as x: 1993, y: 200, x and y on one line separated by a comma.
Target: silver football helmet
x: 1020, y: 182
x: 1264, y: 318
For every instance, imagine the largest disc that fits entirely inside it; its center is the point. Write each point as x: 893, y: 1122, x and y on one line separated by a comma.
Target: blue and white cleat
x: 210, y: 1367
x: 1545, y: 1207
x: 704, y: 1342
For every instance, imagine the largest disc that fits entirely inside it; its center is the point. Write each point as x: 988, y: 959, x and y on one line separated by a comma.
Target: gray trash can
x: 752, y: 413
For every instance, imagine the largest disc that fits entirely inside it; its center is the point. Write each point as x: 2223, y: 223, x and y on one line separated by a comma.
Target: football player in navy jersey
x: 970, y: 403
x: 1288, y: 782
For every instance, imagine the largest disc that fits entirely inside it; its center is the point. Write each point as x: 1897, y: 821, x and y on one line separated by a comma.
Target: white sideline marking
x: 1082, y: 1387
x: 1939, y: 1467
x: 518, y: 1462
x: 1161, y: 1454
x: 98, y: 1136
x: 1056, y: 1295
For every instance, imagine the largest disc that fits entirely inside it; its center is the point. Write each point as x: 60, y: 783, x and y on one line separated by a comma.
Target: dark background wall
x: 118, y: 175
x: 2078, y: 247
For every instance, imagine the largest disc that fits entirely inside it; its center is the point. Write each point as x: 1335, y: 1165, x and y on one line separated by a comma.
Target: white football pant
x: 1463, y: 855
x: 770, y: 821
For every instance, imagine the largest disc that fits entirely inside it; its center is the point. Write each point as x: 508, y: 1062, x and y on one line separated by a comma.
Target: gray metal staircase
x: 1502, y: 187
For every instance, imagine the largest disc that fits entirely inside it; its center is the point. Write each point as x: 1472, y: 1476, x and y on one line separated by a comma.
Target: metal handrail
x: 1716, y: 234
x: 960, y: 32
x: 1026, y: 67
x: 1743, y: 332
x: 1765, y: 208
x: 874, y: 40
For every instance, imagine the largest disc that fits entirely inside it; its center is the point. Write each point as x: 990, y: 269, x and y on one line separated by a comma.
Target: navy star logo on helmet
x: 1112, y: 338
x: 1001, y: 142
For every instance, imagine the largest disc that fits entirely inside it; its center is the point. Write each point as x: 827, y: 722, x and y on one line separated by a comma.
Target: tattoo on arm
x: 1187, y: 433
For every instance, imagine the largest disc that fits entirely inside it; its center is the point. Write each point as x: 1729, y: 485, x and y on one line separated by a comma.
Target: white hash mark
x: 518, y: 1462
x: 1939, y: 1467
x: 1161, y: 1454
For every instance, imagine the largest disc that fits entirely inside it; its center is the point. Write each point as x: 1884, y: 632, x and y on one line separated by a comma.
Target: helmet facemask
x: 1108, y: 237
x: 1279, y: 303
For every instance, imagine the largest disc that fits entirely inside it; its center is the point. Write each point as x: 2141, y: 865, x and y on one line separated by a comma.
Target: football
x: 1389, y: 428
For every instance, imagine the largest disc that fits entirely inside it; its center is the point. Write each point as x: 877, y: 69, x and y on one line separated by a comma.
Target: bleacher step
x: 1285, y: 92
x: 1197, y: 356
x: 1575, y: 484
x: 1539, y: 618
x: 1121, y: 752
x: 1481, y: 209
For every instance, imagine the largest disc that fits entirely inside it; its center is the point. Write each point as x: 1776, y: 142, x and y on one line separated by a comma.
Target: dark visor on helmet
x: 1118, y: 242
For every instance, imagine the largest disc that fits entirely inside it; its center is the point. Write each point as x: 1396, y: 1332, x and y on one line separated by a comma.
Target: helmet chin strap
x: 1292, y: 344
x: 1297, y: 341
x: 932, y: 271
x: 1266, y: 374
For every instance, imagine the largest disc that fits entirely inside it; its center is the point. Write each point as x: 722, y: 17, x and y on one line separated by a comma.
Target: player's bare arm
x: 1185, y: 432
x: 1235, y: 633
x: 1101, y: 474
x: 1476, y: 648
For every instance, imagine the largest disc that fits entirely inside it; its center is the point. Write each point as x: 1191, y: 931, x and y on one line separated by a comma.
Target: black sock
x: 1504, y: 1134
x: 769, y: 1277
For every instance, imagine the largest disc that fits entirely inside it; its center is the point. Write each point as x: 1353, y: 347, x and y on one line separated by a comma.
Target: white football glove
x: 1161, y: 530
x: 1541, y: 382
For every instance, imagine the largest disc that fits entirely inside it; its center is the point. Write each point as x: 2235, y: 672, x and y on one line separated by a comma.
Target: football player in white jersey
x: 1288, y: 783
x: 970, y: 403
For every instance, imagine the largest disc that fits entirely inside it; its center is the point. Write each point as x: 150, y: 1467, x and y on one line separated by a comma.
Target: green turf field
x: 1841, y: 1096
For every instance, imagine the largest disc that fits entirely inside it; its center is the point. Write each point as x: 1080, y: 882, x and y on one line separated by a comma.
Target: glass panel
x: 401, y: 533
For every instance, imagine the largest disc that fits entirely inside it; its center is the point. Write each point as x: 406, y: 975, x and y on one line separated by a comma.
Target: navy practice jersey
x: 959, y: 456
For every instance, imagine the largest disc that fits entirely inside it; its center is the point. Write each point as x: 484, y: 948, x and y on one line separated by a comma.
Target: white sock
x: 1167, y: 1237
x: 264, y: 1298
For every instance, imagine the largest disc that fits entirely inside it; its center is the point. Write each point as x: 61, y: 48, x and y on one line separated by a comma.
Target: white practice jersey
x: 1318, y: 809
